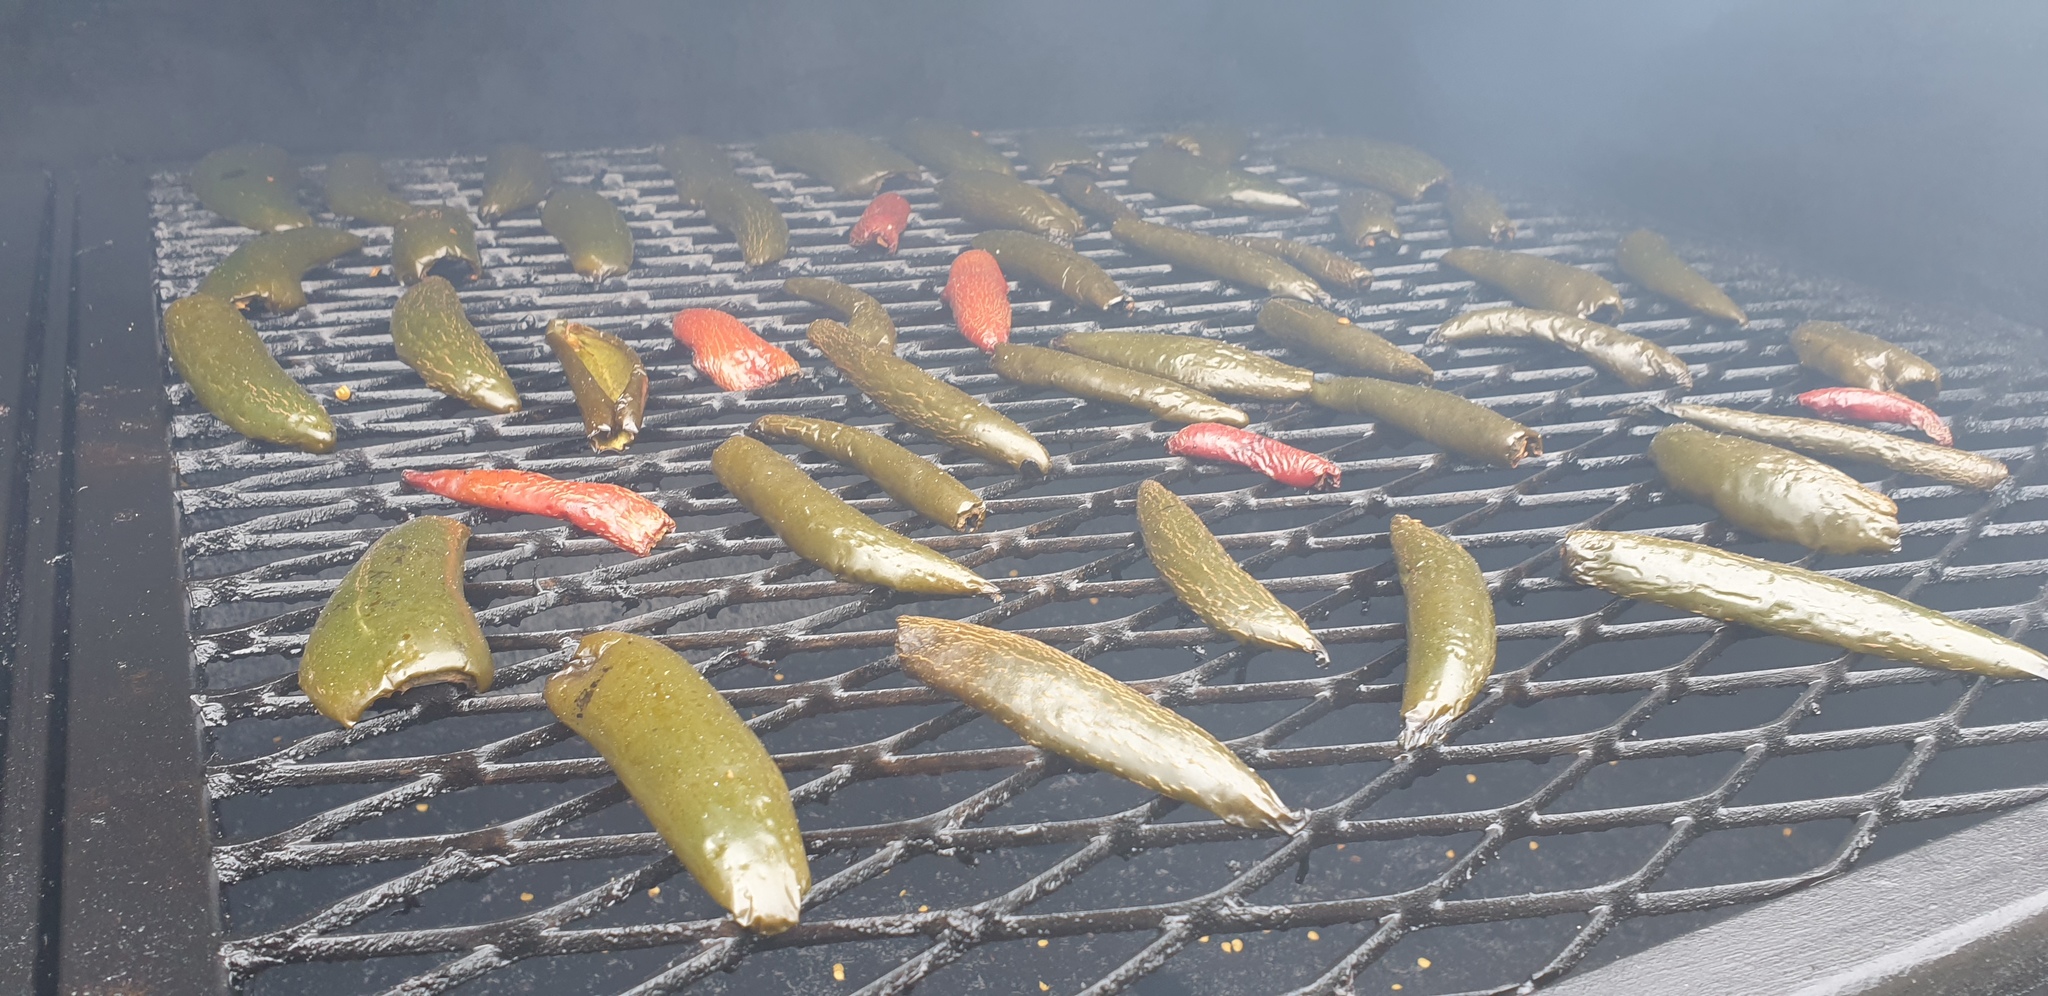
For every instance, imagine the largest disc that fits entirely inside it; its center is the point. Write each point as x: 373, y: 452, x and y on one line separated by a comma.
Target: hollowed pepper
x: 1051, y: 151
x: 250, y: 185
x: 1648, y: 260
x: 1848, y: 442
x: 1539, y: 282
x: 429, y: 234
x: 853, y: 165
x: 515, y: 178
x: 1000, y: 200
x: 1451, y: 641
x: 1206, y: 365
x: 1056, y: 267
x: 592, y: 232
x: 1865, y: 361
x: 1226, y: 261
x: 1093, y: 201
x: 1636, y: 361
x: 905, y: 476
x: 944, y: 412
x: 269, y: 268
x: 1776, y: 493
x: 610, y: 512
x: 882, y: 222
x: 1096, y: 381
x: 1307, y: 328
x: 435, y: 338
x: 607, y: 380
x: 1210, y: 583
x: 1476, y: 215
x: 1466, y: 428
x: 234, y: 376
x: 1397, y: 169
x: 1176, y: 175
x: 730, y: 353
x: 357, y: 188
x: 1367, y: 216
x: 1271, y: 457
x: 863, y: 315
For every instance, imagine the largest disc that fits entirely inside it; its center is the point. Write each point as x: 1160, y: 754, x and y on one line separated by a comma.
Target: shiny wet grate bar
x: 1628, y: 772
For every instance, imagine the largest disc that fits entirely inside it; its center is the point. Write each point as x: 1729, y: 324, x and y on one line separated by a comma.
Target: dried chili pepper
x: 1271, y: 457
x: 730, y: 353
x: 883, y: 222
x: 980, y: 299
x: 620, y: 515
x: 1865, y: 405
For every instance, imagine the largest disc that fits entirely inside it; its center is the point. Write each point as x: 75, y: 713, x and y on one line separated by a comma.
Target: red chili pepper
x: 729, y: 352
x: 1865, y: 405
x: 980, y: 298
x: 883, y: 222
x: 1271, y: 457
x: 618, y: 514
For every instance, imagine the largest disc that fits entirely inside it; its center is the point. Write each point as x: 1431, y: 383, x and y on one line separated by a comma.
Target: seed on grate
x: 838, y: 972
x: 1421, y: 963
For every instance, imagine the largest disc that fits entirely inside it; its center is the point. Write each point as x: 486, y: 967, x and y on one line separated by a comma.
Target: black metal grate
x: 1626, y: 763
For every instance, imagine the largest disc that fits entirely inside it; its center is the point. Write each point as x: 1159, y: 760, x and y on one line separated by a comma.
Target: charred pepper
x: 882, y: 223
x: 832, y: 534
x: 398, y: 620
x: 1865, y: 361
x: 980, y: 299
x: 945, y: 412
x: 1305, y: 327
x: 1451, y: 642
x: 907, y: 477
x: 1174, y: 174
x: 1096, y: 381
x: 515, y: 178
x: 1776, y: 493
x: 1539, y: 282
x: 1058, y: 268
x: 1367, y: 216
x: 268, y: 268
x: 1466, y: 428
x: 606, y: 378
x: 429, y: 234
x: 1865, y: 405
x: 1000, y: 200
x: 250, y: 185
x: 1476, y: 215
x: 233, y: 374
x: 1223, y: 260
x: 864, y: 315
x: 730, y: 353
x: 1271, y: 457
x: 1848, y: 442
x: 1053, y: 151
x: 1790, y: 601
x: 853, y: 165
x: 1648, y: 260
x: 435, y: 338
x: 1206, y: 580
x: 1093, y: 201
x: 691, y: 764
x: 1204, y: 364
x: 619, y: 515
x: 592, y: 232
x: 948, y: 148
x: 1334, y: 270
x: 357, y: 188
x: 1057, y: 703
x: 1397, y: 169
x: 1638, y: 362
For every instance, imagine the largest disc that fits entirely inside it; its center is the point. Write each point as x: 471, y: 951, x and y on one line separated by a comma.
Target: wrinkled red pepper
x: 611, y: 512
x: 1271, y: 457
x: 980, y: 297
x: 729, y: 352
x: 883, y: 222
x: 1865, y: 405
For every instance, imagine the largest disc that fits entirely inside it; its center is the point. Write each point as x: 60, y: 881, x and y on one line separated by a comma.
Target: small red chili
x: 980, y: 297
x: 883, y: 222
x: 729, y: 352
x: 1271, y: 457
x: 618, y: 514
x: 1865, y: 405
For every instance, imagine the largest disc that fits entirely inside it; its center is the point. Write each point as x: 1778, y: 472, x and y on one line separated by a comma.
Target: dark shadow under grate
x: 1626, y: 763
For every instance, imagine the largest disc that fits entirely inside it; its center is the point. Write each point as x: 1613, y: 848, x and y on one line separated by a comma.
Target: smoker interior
x: 1631, y: 770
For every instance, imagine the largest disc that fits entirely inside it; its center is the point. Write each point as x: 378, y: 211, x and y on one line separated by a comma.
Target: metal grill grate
x: 1626, y: 763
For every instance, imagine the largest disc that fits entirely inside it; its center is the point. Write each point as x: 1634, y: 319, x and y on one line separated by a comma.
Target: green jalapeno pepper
x: 1307, y: 328
x: 1851, y: 442
x: 397, y: 621
x: 435, y: 338
x: 691, y: 764
x: 948, y: 148
x: 592, y: 232
x: 1000, y: 200
x: 268, y: 268
x: 864, y: 315
x: 1334, y: 270
x: 1051, y: 151
x: 1476, y: 215
x: 429, y: 234
x: 1093, y: 201
x: 1204, y: 364
x: 907, y: 477
x: 1397, y: 169
x: 1451, y: 643
x: 1466, y: 428
x: 233, y: 374
x: 516, y: 177
x: 944, y: 412
x: 1367, y: 216
x: 357, y: 188
x: 1539, y: 282
x: 1222, y: 143
x: 1223, y: 260
x: 1175, y: 175
x: 1865, y: 361
x: 1060, y: 269
x: 250, y: 185
x: 1211, y: 584
x: 607, y: 380
x: 704, y: 179
x: 853, y: 165
x: 1638, y: 362
x: 1096, y: 381
x: 1776, y: 493
x: 1648, y: 260
x: 689, y: 159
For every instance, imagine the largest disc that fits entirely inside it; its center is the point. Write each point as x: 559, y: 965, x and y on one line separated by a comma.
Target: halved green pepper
x: 1451, y: 640
x: 863, y: 315
x: 689, y: 761
x: 853, y: 165
x: 1476, y: 215
x: 397, y: 621
x: 1210, y: 583
x: 1072, y: 275
x: 1464, y: 427
x: 1852, y: 442
x: 1637, y: 361
x: 1206, y: 365
x: 1176, y: 175
x: 1776, y: 493
x: 1648, y: 260
x: 1093, y: 201
x: 1397, y: 169
x: 1051, y: 151
x: 832, y: 534
x: 907, y: 477
x: 944, y: 412
x: 1000, y: 200
x: 428, y: 234
x: 1539, y: 282
x: 268, y: 268
x: 233, y: 374
x: 1306, y: 327
x: 357, y: 188
x: 252, y: 186
x: 1224, y: 260
x: 591, y: 230
x: 1861, y: 360
x: 1096, y: 381
x: 515, y: 178
x: 948, y: 148
x: 1367, y: 216
x: 607, y: 379
x: 1334, y: 270
x: 435, y: 338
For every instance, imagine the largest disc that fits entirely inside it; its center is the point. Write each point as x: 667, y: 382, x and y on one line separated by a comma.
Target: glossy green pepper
x: 1451, y: 641
x: 1175, y: 175
x: 515, y: 178
x: 1861, y: 360
x: 704, y: 179
x: 1476, y: 215
x: 250, y: 185
x: 864, y: 315
x: 1307, y: 328
x: 691, y: 764
x: 435, y: 338
x: 1790, y: 601
x: 1000, y: 200
x: 944, y: 412
x: 853, y: 165
x: 357, y: 188
x: 1093, y: 201
x: 1464, y: 427
x: 1051, y: 151
x: 1224, y: 260
x: 428, y: 235
x: 592, y: 232
x: 1397, y: 169
x: 233, y: 374
x: 832, y: 534
x: 1332, y: 269
x: 1367, y: 216
x: 1211, y: 584
x: 1206, y: 365
x: 1776, y: 493
x: 907, y: 477
x: 268, y: 268
x: 1539, y: 282
x: 1222, y: 143
x: 397, y: 621
x: 948, y: 148
x: 1648, y: 260
x: 1086, y: 378
x: 1852, y: 442
x: 1057, y: 703
x: 1074, y: 276
x: 606, y: 378
x: 1637, y: 361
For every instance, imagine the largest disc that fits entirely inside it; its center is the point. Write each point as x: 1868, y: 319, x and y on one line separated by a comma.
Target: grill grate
x: 475, y: 845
